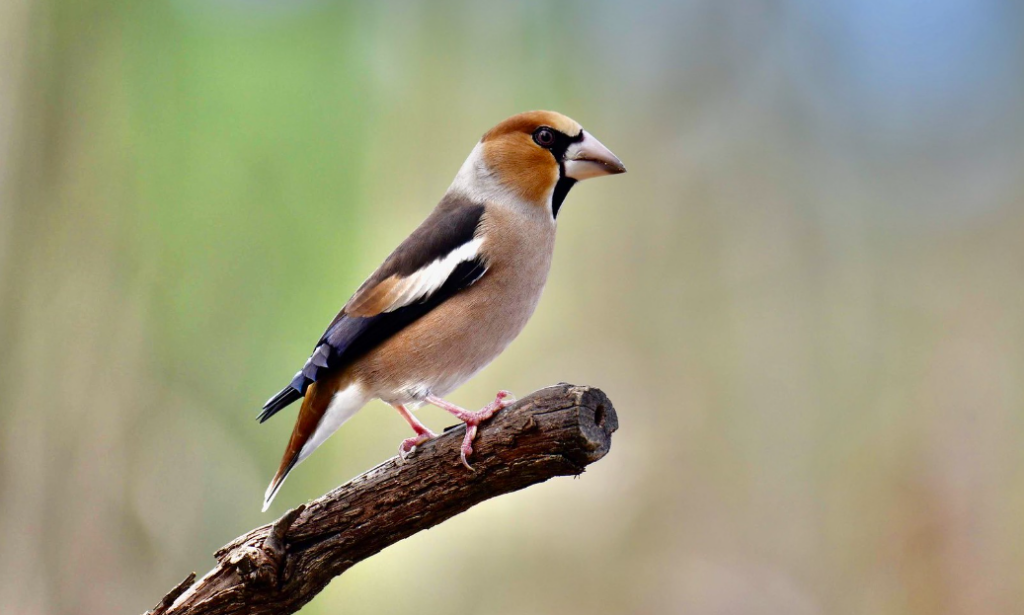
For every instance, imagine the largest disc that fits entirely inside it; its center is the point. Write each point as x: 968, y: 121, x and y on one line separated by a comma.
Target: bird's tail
x: 325, y: 408
x: 275, y: 484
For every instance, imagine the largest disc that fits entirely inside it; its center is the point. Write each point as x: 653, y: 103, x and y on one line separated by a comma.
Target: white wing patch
x: 424, y: 282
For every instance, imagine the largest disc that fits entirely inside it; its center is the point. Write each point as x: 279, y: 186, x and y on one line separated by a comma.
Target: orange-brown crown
x: 522, y: 165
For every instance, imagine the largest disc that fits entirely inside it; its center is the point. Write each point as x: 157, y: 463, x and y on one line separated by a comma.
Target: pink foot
x: 473, y: 419
x: 409, y: 444
x: 423, y: 433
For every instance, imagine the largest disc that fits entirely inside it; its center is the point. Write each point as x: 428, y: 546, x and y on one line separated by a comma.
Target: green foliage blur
x: 805, y: 298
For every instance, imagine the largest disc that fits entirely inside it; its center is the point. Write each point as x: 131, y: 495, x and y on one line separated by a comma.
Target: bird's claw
x: 408, y: 446
x: 467, y: 446
x: 502, y: 400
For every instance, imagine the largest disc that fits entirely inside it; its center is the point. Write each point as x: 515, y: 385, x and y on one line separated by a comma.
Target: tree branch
x: 277, y: 568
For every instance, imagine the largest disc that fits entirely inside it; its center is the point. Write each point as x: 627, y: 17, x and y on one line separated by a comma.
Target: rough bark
x: 281, y: 566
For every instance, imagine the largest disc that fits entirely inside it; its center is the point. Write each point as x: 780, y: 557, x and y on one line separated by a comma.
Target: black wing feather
x: 278, y: 402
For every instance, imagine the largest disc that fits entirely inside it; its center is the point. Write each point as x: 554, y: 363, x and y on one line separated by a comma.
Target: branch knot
x: 261, y: 566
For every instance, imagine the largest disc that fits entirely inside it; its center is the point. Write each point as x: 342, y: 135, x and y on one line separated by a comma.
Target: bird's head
x: 535, y: 157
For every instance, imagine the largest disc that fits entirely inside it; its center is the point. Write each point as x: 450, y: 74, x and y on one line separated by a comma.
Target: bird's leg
x: 423, y: 432
x: 472, y: 419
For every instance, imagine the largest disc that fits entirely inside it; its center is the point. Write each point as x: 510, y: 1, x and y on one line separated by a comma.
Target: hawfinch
x: 453, y: 295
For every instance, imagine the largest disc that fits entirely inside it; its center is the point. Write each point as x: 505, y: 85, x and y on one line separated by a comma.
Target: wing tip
x: 278, y: 402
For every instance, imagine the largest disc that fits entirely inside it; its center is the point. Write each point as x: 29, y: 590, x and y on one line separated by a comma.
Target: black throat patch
x: 561, y: 191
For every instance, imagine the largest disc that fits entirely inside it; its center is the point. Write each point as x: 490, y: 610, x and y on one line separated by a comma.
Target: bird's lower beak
x: 590, y: 158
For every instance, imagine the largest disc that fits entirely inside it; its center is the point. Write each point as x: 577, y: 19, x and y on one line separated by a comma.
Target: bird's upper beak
x: 590, y: 158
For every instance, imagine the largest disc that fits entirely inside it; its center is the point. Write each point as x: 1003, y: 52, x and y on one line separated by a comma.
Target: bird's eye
x: 544, y: 137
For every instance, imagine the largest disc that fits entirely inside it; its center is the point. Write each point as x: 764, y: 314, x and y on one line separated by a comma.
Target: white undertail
x: 343, y: 406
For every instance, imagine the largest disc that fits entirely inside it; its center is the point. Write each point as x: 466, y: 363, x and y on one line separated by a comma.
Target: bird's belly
x: 446, y: 347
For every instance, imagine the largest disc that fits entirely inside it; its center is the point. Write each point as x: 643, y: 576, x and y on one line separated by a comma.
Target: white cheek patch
x: 427, y: 280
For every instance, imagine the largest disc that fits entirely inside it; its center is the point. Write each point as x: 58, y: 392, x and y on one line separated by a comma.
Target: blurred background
x: 805, y: 298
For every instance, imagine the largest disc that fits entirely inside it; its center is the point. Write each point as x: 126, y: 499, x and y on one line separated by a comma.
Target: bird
x: 452, y: 295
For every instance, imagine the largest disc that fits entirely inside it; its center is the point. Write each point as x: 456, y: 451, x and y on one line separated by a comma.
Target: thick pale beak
x: 589, y: 158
